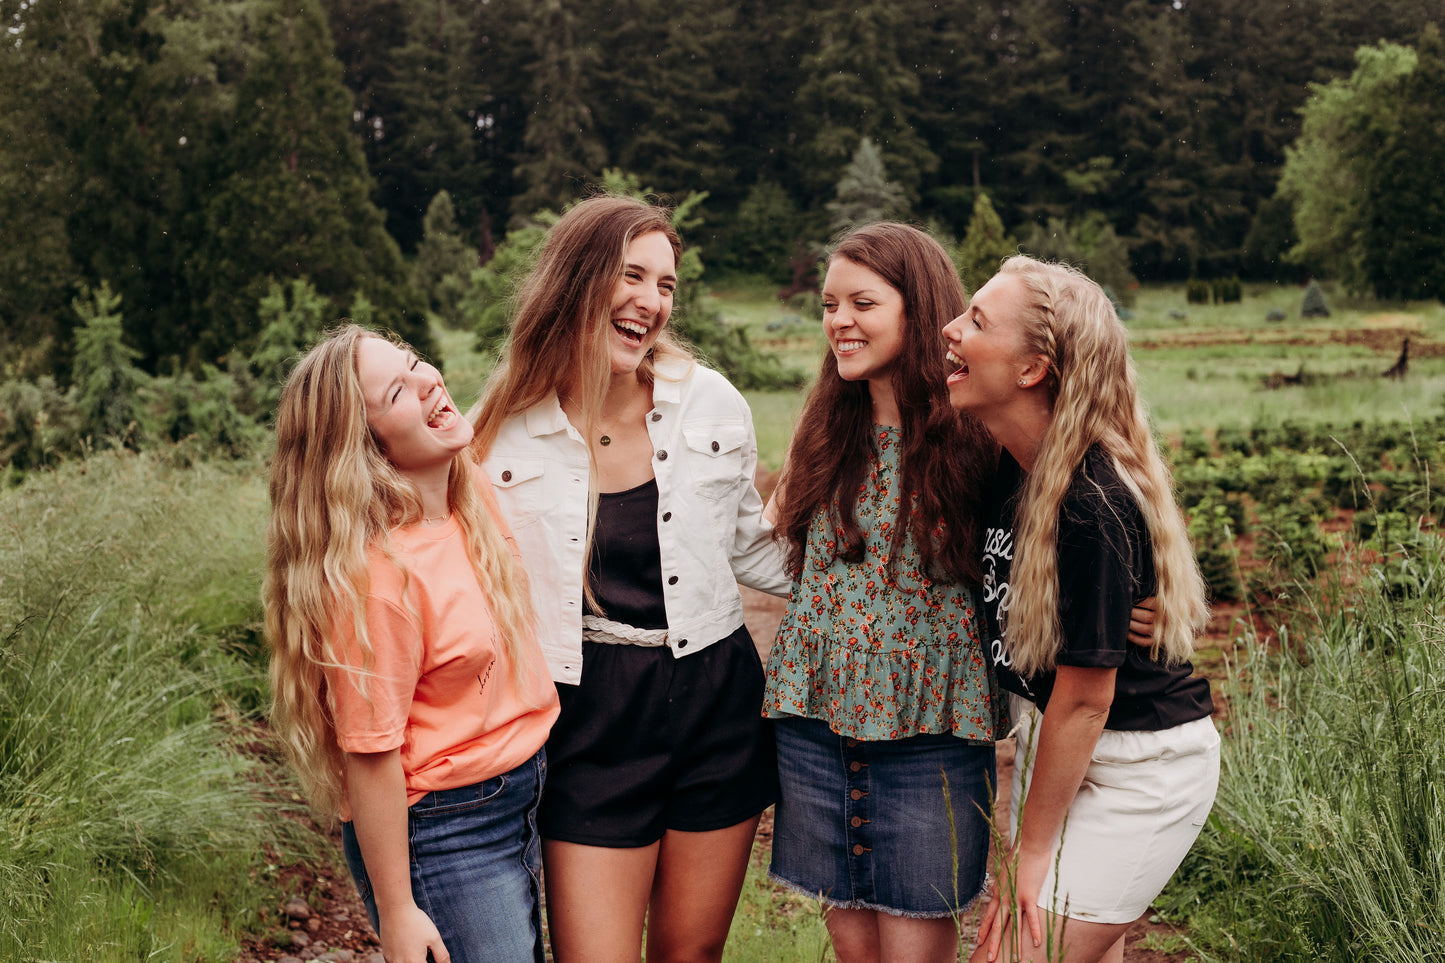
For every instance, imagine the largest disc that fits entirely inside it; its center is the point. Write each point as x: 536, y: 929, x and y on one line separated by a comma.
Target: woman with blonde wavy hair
x: 1118, y: 760
x: 625, y: 468
x: 408, y: 687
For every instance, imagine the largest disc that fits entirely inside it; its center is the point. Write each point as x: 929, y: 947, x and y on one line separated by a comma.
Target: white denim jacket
x: 710, y: 524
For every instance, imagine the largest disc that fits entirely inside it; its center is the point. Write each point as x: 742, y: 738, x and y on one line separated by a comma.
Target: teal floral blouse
x: 879, y: 656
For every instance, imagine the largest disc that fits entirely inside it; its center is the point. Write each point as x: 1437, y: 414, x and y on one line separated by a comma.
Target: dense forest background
x: 188, y: 159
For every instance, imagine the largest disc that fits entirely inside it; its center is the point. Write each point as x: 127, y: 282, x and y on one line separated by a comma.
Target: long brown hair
x: 335, y: 497
x: 945, y: 456
x: 559, y: 341
x: 1070, y: 322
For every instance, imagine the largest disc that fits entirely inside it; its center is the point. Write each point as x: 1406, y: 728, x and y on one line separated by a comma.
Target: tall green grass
x: 1327, y: 842
x: 130, y: 827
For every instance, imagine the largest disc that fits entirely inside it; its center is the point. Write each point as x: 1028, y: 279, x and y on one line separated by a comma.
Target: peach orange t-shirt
x: 440, y: 687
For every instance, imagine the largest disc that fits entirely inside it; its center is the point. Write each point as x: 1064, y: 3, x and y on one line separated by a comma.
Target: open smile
x: 961, y: 371
x: 443, y: 416
x: 633, y: 332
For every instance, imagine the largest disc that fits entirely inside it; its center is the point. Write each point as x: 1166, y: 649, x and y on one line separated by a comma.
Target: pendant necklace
x: 605, y: 440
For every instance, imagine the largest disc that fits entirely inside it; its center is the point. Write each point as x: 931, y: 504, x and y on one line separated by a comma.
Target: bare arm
x: 1077, y: 711
x: 376, y: 789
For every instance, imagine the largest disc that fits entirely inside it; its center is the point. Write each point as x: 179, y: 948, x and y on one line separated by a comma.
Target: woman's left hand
x: 1141, y: 623
x: 1013, y: 905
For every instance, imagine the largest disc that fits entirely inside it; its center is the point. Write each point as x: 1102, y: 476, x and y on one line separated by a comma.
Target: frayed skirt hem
x: 858, y: 904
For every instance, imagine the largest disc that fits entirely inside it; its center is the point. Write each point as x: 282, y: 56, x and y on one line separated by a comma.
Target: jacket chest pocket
x: 519, y: 486
x: 715, y: 459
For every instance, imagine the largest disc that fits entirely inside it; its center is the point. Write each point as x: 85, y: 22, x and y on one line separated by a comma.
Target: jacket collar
x: 546, y: 417
x: 671, y: 374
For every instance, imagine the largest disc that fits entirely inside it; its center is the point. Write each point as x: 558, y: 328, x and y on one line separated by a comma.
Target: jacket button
x: 715, y: 446
x: 854, y: 766
x: 856, y: 821
x: 858, y: 850
x: 667, y: 516
x: 856, y: 795
x: 506, y: 476
x: 672, y: 580
x: 662, y: 456
x: 657, y: 416
x: 682, y: 643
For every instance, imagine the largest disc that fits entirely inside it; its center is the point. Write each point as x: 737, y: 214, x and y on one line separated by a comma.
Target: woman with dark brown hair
x: 884, y: 707
x: 625, y: 469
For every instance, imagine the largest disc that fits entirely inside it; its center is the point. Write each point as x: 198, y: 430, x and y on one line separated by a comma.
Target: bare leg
x: 695, y: 893
x: 854, y: 933
x: 906, y: 940
x: 597, y: 900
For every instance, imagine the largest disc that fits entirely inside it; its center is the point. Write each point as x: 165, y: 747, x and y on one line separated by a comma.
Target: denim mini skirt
x: 876, y: 825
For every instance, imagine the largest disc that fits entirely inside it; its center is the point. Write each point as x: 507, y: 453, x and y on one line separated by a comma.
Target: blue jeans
x: 475, y: 866
x: 864, y: 825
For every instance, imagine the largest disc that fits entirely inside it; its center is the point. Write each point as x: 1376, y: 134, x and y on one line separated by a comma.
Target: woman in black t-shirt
x: 1118, y: 760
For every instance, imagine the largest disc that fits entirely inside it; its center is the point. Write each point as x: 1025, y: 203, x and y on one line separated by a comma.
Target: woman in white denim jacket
x: 625, y: 470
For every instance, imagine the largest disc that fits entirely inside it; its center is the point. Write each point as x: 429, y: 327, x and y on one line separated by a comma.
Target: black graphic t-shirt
x: 1106, y: 565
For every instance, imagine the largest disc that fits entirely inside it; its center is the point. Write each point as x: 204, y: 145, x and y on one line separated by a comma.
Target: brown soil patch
x: 1384, y: 339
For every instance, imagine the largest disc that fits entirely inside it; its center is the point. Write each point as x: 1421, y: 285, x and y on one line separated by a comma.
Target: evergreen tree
x: 1404, y: 238
x: 854, y: 85
x: 297, y: 200
x: 418, y: 123
x: 107, y: 383
x: 291, y: 316
x: 443, y: 260
x: 864, y: 193
x: 763, y: 234
x: 1313, y: 305
x: 560, y: 148
x: 659, y: 102
x: 984, y: 245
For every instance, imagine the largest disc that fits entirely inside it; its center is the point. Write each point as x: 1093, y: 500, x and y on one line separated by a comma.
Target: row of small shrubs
x: 1279, y: 483
x: 1221, y: 290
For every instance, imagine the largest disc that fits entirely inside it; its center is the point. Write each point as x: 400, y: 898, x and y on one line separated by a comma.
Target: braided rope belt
x: 596, y: 629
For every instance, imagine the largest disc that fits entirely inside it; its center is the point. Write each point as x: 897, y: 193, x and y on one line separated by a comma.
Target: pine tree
x: 419, y: 127
x: 443, y: 259
x: 659, y: 102
x: 291, y: 317
x: 854, y: 85
x: 107, y: 383
x: 984, y: 245
x: 1313, y: 305
x: 561, y: 148
x: 296, y: 201
x: 864, y: 193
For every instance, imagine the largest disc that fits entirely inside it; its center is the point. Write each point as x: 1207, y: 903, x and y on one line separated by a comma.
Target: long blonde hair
x: 1069, y: 320
x: 335, y: 496
x: 560, y: 338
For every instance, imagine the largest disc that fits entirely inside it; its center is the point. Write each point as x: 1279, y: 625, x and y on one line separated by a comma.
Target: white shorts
x: 1140, y: 807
